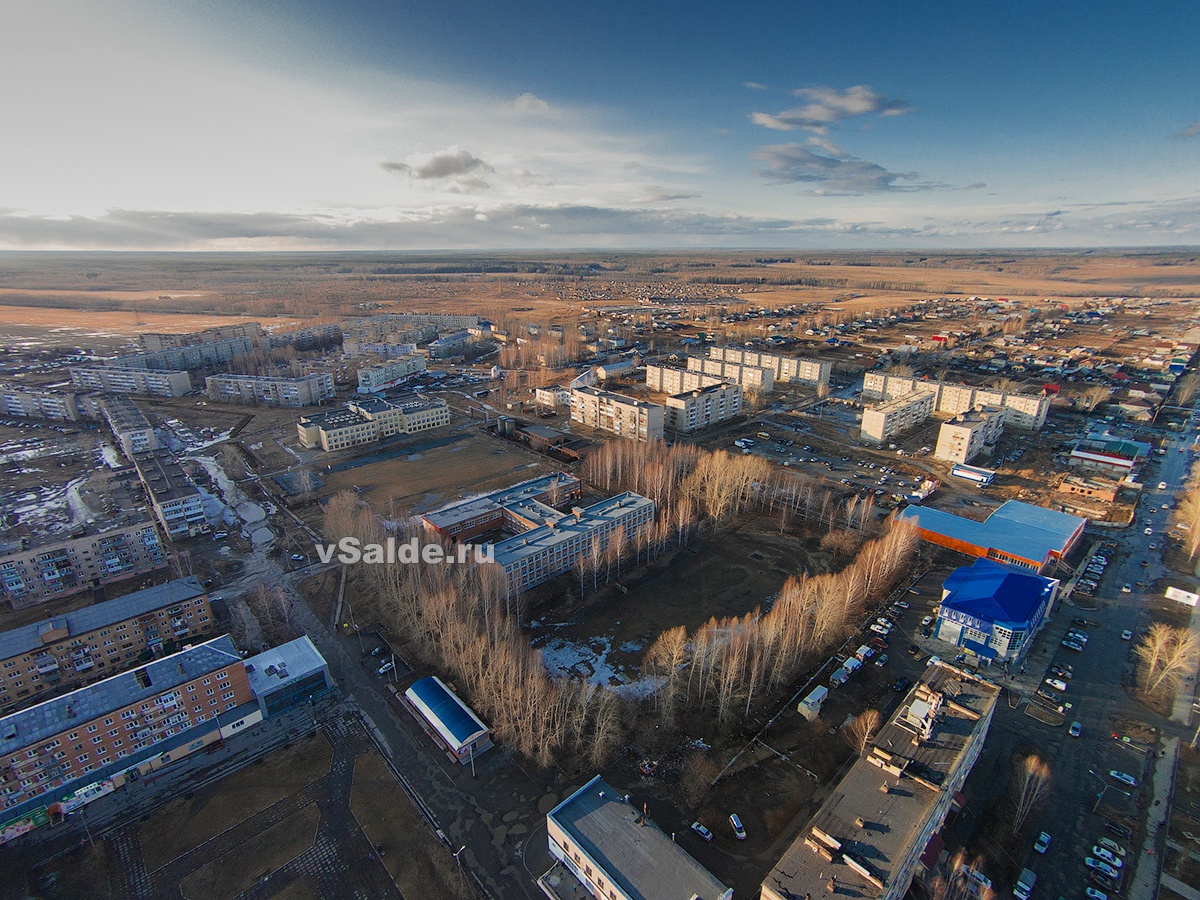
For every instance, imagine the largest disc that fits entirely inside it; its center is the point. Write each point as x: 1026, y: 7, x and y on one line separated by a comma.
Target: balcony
x: 82, y: 661
x: 46, y: 664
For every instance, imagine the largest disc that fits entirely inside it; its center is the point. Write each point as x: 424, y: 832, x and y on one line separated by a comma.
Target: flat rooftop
x: 27, y: 638
x: 612, y: 397
x: 283, y: 665
x: 1017, y: 529
x: 891, y: 821
x: 545, y: 537
x: 641, y: 859
x: 334, y: 418
x: 487, y: 503
x: 41, y: 722
x: 163, y: 476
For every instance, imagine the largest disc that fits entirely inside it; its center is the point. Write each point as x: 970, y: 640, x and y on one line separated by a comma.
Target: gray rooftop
x: 27, y: 638
x: 163, y: 476
x: 525, y: 490
x: 892, y: 821
x: 282, y: 665
x: 511, y: 549
x: 643, y: 861
x: 38, y: 723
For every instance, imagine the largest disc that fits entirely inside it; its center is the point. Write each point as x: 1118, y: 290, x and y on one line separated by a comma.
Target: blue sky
x: 309, y: 125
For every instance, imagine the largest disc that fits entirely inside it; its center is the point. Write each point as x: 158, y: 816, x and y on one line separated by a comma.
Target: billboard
x: 1182, y: 596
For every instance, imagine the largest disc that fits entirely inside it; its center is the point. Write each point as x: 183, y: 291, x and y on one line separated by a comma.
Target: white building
x: 556, y: 397
x: 751, y: 378
x: 692, y: 410
x: 381, y: 376
x: 624, y: 416
x: 310, y: 390
x: 785, y: 369
x: 372, y: 419
x: 132, y: 430
x: 177, y: 502
x: 38, y: 403
x: 117, y: 380
x: 884, y: 421
x: 1024, y: 411
x: 965, y: 436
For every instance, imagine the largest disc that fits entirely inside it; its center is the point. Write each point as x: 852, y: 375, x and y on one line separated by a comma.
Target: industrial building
x: 752, y: 378
x: 601, y: 842
x: 116, y: 380
x: 1024, y: 411
x: 702, y: 407
x: 372, y: 419
x: 507, y: 508
x: 1018, y: 534
x: 132, y: 430
x: 96, y: 641
x: 785, y: 369
x: 964, y: 437
x: 384, y: 375
x: 267, y: 390
x: 1104, y: 453
x: 38, y: 403
x: 176, y: 501
x: 879, y: 828
x: 886, y: 420
x: 618, y: 414
x: 992, y: 611
x: 34, y: 573
x: 451, y: 724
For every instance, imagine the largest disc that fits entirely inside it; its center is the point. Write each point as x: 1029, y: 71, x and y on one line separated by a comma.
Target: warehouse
x: 447, y: 720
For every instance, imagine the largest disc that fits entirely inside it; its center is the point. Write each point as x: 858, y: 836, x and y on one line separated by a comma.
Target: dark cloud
x: 831, y: 174
x: 456, y: 171
x: 828, y: 106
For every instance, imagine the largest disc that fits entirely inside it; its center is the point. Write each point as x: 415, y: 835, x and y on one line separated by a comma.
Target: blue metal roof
x: 1015, y: 529
x: 454, y: 717
x: 997, y: 594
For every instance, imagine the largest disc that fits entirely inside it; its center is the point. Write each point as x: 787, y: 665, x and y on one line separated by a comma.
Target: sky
x: 464, y: 124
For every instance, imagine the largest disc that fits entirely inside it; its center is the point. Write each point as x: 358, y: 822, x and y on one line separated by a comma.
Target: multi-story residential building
x: 310, y: 390
x: 751, y: 378
x: 314, y: 337
x: 116, y: 380
x: 405, y: 345
x: 965, y: 436
x: 1024, y: 411
x: 176, y: 501
x: 450, y: 344
x: 381, y: 376
x: 607, y: 846
x: 132, y: 430
x: 501, y: 509
x: 38, y: 403
x: 190, y: 356
x: 113, y: 725
x: 903, y: 788
x: 692, y: 410
x: 154, y: 342
x: 784, y: 368
x: 554, y: 398
x: 627, y: 417
x: 30, y: 575
x: 368, y: 420
x: 99, y: 640
x: 884, y: 421
x: 675, y: 380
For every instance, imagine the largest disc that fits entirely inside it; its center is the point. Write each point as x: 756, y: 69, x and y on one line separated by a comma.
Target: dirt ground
x: 424, y: 481
x: 305, y: 888
x: 235, y: 871
x: 192, y: 820
x: 420, y: 866
x: 84, y: 873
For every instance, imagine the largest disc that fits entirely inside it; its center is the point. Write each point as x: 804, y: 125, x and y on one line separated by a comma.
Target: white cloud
x: 1192, y: 130
x: 829, y: 106
x: 530, y: 103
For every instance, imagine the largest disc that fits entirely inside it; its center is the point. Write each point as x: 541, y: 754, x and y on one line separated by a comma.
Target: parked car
x: 881, y: 660
x: 1120, y: 830
x: 220, y: 535
x: 702, y: 831
x: 879, y: 629
x: 1112, y: 846
x: 1056, y: 683
x: 1111, y: 858
x: 1076, y: 729
x: 297, y: 557
x: 1148, y: 531
x: 1162, y: 485
x: 1071, y: 645
x: 901, y: 685
x: 1127, y: 635
x: 902, y: 604
x: 1042, y: 844
x: 1123, y: 777
x: 927, y: 621
x: 738, y: 830
x: 1077, y: 635
x: 1100, y: 866
x: 386, y: 667
x: 379, y: 649
x: 1109, y: 884
x: 1095, y: 894
x: 913, y: 650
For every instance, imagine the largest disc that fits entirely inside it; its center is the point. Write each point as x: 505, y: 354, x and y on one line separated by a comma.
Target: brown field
x: 420, y: 866
x: 114, y: 322
x: 426, y: 480
x: 190, y: 821
x: 238, y: 869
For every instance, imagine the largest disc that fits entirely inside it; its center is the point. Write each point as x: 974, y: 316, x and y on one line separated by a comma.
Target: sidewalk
x: 1149, y: 861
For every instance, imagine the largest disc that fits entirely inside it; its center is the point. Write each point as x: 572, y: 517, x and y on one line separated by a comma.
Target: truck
x: 973, y: 473
x: 1024, y: 886
x: 928, y: 486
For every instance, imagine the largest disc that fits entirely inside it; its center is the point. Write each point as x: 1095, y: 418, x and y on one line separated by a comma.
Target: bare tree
x: 1031, y: 784
x: 1092, y: 396
x: 1186, y: 387
x: 1165, y: 655
x: 860, y: 731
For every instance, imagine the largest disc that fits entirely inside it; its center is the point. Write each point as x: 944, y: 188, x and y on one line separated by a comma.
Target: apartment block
x: 692, y: 410
x: 1025, y: 411
x: 450, y: 344
x: 115, y: 724
x: 751, y: 378
x: 785, y: 369
x: 553, y: 397
x: 965, y: 436
x: 176, y: 500
x: 310, y: 390
x: 624, y: 416
x: 191, y: 356
x: 884, y: 421
x: 99, y: 640
x: 132, y: 430
x: 381, y: 376
x: 675, y: 380
x: 30, y: 575
x: 116, y: 380
x: 154, y: 342
x: 371, y: 419
x: 38, y: 403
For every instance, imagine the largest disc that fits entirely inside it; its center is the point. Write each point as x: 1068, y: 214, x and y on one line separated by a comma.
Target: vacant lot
x: 425, y: 480
x: 420, y: 866
x: 190, y: 821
